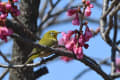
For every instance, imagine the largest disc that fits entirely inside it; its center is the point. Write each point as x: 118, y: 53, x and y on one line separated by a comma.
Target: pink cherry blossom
x: 78, y: 52
x: 3, y: 16
x: 88, y: 34
x: 71, y: 12
x: 69, y: 45
x: 91, y: 6
x: 118, y: 64
x: 75, y: 12
x: 61, y: 41
x: 66, y: 36
x: 81, y: 40
x: 8, y: 6
x: 4, y: 32
x: 88, y: 11
x: 74, y: 42
x: 87, y: 3
x: 75, y: 49
x: 15, y: 0
x: 76, y: 20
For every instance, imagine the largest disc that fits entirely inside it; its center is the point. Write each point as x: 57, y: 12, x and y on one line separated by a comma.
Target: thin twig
x: 46, y: 17
x: 113, y: 56
x: 51, y: 3
x: 105, y: 61
x: 110, y: 8
x: 4, y: 57
x: 4, y: 74
x: 42, y: 12
x: 81, y: 73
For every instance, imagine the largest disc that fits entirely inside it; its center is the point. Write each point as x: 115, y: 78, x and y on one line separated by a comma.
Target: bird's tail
x: 31, y: 58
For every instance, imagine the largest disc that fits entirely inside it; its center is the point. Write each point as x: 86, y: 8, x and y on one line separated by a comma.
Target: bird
x: 49, y: 39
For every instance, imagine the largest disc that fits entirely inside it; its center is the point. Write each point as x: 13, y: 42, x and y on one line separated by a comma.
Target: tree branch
x: 4, y: 74
x: 4, y: 57
x: 86, y: 60
x: 40, y: 72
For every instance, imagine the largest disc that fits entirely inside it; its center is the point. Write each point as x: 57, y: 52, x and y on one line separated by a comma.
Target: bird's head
x: 51, y: 34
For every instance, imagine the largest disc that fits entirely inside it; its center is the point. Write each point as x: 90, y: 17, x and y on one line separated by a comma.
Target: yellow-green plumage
x: 49, y: 39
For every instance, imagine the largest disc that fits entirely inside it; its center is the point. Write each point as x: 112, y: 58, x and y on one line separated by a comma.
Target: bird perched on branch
x: 49, y: 39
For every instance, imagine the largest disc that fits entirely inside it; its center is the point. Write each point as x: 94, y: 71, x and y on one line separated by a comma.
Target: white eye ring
x: 52, y: 33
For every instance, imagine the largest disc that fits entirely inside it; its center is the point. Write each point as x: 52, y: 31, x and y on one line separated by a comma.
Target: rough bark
x: 28, y: 17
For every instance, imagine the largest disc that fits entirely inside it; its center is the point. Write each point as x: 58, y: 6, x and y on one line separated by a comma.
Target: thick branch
x: 86, y: 60
x: 40, y: 72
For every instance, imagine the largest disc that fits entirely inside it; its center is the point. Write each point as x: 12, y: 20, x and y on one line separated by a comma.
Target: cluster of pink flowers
x: 8, y: 7
x: 78, y: 12
x: 117, y: 64
x: 5, y: 8
x: 4, y: 32
x: 75, y: 12
x: 75, y: 41
x: 88, y: 9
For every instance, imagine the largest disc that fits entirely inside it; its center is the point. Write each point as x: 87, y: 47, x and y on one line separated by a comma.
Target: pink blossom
x: 88, y: 34
x: 4, y: 32
x: 61, y: 42
x: 118, y: 64
x: 91, y: 6
x: 15, y: 0
x: 76, y: 20
x: 65, y: 58
x: 73, y: 42
x: 74, y: 39
x: 88, y: 11
x: 117, y: 70
x: 81, y: 40
x: 71, y: 12
x: 2, y: 7
x: 87, y: 3
x: 75, y: 12
x: 69, y: 45
x: 78, y: 52
x: 66, y: 36
x: 75, y: 49
x: 3, y: 16
x: 8, y: 6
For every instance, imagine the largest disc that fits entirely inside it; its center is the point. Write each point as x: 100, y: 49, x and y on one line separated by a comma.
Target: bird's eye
x: 52, y: 33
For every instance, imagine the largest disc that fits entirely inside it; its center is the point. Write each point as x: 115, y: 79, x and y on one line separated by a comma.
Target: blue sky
x: 60, y: 70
